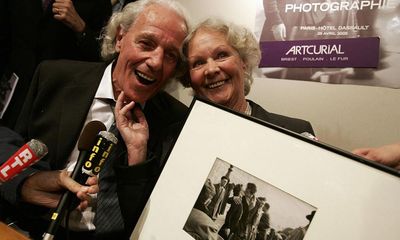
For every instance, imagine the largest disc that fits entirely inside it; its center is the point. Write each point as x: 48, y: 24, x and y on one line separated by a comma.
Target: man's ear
x: 119, y: 36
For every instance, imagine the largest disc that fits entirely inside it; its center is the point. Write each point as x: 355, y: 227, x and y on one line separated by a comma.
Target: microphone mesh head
x: 39, y: 148
x: 109, y: 136
x: 89, y: 134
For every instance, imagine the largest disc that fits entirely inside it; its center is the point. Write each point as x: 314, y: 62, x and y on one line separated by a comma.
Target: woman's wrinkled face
x: 216, y: 69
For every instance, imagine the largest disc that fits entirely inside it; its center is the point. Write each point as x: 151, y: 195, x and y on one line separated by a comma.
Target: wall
x: 346, y: 116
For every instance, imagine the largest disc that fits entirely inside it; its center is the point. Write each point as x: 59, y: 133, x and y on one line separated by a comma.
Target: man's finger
x: 83, y: 196
x: 120, y: 99
x: 82, y: 205
x: 72, y: 185
x: 92, y: 181
x: 127, y: 108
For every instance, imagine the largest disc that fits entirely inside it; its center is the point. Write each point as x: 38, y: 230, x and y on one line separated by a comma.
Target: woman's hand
x: 388, y: 155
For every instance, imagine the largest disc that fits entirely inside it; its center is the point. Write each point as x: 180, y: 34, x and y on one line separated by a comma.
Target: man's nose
x: 156, y: 58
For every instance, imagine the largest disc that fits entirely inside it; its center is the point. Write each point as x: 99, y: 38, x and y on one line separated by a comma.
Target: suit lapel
x: 78, y: 99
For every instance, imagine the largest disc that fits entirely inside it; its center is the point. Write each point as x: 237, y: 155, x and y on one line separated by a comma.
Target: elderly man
x: 141, y: 47
x: 218, y: 198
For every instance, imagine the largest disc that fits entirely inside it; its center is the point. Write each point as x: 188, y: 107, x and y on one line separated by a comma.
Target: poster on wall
x: 331, y: 41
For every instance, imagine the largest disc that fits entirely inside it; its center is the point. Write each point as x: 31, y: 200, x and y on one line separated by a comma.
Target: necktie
x: 108, y: 216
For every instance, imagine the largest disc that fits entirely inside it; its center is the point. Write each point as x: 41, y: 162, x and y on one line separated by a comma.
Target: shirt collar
x: 105, y: 89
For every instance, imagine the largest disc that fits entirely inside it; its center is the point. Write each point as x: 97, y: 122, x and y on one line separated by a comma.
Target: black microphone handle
x: 86, y: 140
x: 66, y: 198
x: 95, y: 159
x: 77, y: 172
x: 79, y: 177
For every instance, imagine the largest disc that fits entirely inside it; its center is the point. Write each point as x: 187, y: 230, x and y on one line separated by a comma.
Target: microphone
x: 85, y: 143
x: 101, y: 150
x: 90, y: 161
x: 27, y: 155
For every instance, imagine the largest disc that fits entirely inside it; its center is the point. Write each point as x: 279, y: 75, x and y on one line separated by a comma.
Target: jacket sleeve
x: 10, y: 142
x: 10, y: 190
x: 134, y: 186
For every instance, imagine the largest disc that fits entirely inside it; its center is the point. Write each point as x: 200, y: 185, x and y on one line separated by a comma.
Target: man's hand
x: 93, y: 188
x: 133, y: 127
x: 45, y: 188
x: 65, y: 12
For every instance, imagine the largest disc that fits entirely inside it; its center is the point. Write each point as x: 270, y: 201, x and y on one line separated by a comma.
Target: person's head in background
x: 250, y: 190
x: 220, y: 57
x: 238, y: 190
x: 260, y: 202
x: 224, y: 181
x: 266, y: 207
x: 144, y: 40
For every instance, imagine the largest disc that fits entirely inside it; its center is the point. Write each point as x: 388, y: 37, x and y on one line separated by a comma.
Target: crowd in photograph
x: 232, y: 211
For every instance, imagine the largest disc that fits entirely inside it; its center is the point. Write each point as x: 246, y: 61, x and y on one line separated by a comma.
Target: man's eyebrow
x: 172, y: 49
x: 153, y: 37
x: 146, y: 35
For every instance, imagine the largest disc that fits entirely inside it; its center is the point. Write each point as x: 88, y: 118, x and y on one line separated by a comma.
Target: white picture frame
x: 354, y: 198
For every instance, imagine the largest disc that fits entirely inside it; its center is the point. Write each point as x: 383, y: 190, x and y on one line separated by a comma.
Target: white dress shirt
x: 102, y: 111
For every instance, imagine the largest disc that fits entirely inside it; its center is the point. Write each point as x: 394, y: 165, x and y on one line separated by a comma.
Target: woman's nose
x: 211, y: 67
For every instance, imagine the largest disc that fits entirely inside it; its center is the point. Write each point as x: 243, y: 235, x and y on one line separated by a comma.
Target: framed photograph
x: 230, y: 176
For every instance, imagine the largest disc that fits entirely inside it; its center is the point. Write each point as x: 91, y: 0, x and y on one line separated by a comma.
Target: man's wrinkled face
x: 148, y: 53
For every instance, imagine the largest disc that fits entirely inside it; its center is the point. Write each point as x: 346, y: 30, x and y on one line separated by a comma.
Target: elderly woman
x: 220, y: 58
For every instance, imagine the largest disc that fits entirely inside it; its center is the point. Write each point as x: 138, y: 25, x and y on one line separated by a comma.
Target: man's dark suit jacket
x: 10, y: 142
x: 292, y: 124
x: 55, y: 110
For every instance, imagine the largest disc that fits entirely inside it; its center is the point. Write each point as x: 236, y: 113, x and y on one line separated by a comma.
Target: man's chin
x: 138, y: 98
